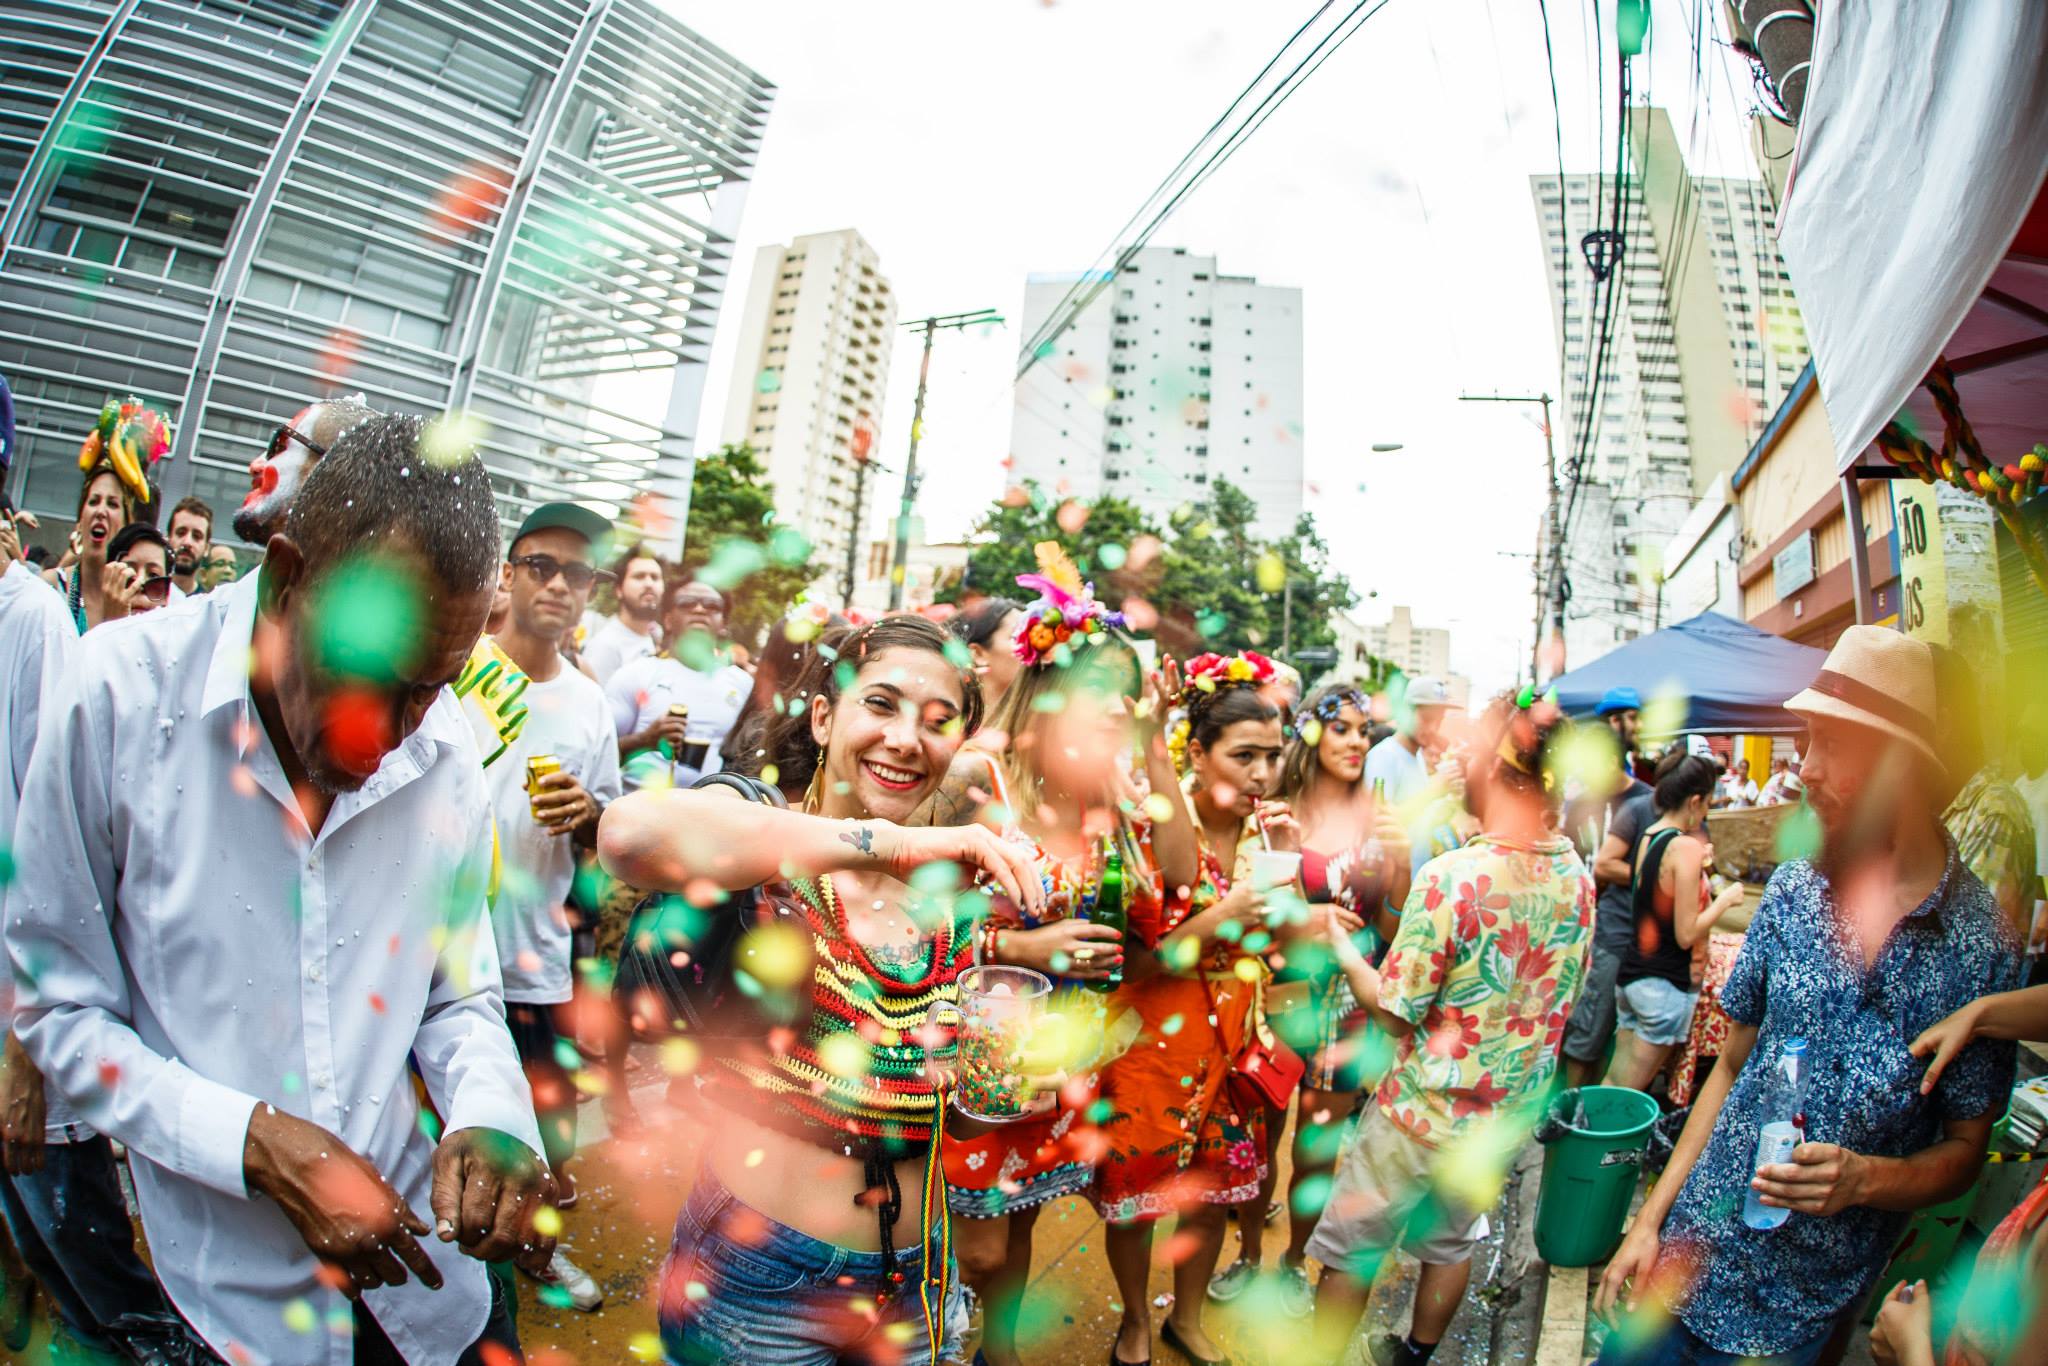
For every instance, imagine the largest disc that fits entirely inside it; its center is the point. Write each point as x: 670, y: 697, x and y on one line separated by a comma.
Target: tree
x: 735, y: 541
x: 1100, y: 542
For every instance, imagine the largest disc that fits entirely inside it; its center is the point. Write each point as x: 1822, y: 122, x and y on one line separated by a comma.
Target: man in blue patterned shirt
x: 1882, y: 935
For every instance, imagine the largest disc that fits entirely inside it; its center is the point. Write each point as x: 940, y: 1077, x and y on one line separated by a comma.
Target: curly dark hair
x: 786, y: 740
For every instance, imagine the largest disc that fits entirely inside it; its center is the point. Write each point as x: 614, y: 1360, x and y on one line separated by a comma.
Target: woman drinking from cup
x: 805, y: 1237
x: 1179, y: 1138
x: 1057, y: 785
x: 1354, y: 859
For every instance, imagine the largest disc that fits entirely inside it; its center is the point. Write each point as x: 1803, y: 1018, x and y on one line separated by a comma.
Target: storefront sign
x: 1792, y: 567
x: 1923, y: 568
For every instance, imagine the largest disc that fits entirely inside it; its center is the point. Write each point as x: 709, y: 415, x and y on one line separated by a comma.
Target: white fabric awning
x: 1923, y: 145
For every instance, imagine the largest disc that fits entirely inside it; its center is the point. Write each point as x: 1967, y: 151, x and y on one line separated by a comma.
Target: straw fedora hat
x: 1881, y: 680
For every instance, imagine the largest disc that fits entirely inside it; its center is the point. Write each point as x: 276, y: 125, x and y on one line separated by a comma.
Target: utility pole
x: 911, y: 478
x: 860, y: 489
x: 1550, y: 569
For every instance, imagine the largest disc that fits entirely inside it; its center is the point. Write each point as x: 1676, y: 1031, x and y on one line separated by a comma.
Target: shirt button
x: 315, y: 973
x: 322, y: 1080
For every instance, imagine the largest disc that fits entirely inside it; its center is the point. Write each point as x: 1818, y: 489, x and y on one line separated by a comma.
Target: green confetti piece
x: 1172, y: 1025
x: 731, y: 562
x: 768, y: 382
x: 1111, y: 556
x: 789, y: 547
x: 430, y: 1126
x: 1799, y: 834
x: 367, y: 620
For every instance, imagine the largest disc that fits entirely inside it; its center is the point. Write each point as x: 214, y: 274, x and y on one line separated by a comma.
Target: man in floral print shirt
x: 1475, y: 991
x: 1857, y: 951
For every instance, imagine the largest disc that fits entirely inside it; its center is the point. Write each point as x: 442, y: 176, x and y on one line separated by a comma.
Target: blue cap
x: 1619, y: 699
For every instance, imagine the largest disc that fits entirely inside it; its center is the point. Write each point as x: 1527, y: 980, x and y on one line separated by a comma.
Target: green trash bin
x: 1589, y: 1172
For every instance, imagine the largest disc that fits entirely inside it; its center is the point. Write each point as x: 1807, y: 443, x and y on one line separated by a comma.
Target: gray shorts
x: 1591, y: 1026
x: 1387, y: 1192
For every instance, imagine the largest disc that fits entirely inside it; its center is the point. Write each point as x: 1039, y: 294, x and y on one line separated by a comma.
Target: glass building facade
x: 231, y: 207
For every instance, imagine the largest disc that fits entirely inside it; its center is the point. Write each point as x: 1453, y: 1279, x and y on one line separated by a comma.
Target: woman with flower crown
x: 125, y: 443
x: 1053, y: 777
x: 1179, y: 1139
x: 1354, y: 860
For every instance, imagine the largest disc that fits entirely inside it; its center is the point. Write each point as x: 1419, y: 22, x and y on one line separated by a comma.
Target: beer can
x: 679, y: 710
x: 538, y: 766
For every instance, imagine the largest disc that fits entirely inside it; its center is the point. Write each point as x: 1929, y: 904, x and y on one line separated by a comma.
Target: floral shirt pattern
x: 1489, y: 957
x: 1800, y: 975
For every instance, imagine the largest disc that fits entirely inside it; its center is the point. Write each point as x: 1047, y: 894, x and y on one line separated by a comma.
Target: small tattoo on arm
x: 861, y: 838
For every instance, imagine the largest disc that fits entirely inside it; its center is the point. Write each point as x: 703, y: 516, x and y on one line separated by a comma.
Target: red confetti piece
x: 110, y: 1072
x: 376, y: 1003
x: 358, y: 731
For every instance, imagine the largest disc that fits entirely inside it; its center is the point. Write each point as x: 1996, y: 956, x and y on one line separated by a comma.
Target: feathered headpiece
x: 1065, y: 609
x: 132, y: 439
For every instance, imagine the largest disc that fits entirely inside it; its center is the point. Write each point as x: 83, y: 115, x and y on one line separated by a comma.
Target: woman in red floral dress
x: 1056, y: 779
x: 1178, y: 1142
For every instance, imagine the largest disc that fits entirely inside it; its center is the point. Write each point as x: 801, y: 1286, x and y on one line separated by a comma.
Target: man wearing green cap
x: 548, y: 575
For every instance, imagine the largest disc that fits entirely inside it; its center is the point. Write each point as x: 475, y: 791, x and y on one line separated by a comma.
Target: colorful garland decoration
x: 1961, y: 461
x: 1065, y: 611
x: 131, y: 438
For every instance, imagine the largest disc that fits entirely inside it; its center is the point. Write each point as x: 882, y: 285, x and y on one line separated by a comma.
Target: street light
x: 1382, y: 447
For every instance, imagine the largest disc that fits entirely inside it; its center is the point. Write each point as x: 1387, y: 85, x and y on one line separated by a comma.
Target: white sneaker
x: 573, y: 1281
x: 1233, y: 1280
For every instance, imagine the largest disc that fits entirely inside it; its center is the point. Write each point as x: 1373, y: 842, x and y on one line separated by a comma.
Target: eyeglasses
x: 576, y: 574
x: 156, y: 589
x: 285, y: 435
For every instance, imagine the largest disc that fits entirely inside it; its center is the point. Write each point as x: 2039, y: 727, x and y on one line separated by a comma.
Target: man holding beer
x: 674, y: 710
x: 547, y: 791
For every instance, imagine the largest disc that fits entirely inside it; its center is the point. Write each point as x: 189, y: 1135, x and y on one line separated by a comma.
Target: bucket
x: 1590, y: 1164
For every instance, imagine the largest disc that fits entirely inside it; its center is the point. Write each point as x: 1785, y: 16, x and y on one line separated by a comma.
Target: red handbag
x: 1265, y: 1072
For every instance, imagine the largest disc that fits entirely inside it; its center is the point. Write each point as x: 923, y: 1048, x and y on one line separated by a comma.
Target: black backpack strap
x: 748, y: 786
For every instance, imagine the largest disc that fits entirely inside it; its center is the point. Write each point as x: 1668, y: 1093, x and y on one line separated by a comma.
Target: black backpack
x: 679, y: 971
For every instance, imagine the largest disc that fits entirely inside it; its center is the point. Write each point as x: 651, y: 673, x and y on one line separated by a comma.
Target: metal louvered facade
x: 230, y: 208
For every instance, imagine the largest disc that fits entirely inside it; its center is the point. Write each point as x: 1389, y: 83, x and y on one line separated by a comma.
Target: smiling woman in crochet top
x: 815, y: 1221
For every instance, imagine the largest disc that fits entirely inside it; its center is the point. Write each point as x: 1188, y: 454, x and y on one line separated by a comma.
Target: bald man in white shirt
x: 253, y: 898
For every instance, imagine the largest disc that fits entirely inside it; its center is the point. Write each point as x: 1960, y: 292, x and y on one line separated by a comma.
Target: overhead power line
x: 1089, y: 286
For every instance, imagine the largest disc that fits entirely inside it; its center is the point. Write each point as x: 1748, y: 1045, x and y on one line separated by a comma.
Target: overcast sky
x: 974, y: 142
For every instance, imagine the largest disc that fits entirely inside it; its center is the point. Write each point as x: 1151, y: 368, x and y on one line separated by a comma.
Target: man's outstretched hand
x: 361, y: 1229
x: 488, y: 1186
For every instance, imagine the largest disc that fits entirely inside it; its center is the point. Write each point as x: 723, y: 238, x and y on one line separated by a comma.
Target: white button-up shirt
x: 185, y: 950
x: 37, y: 637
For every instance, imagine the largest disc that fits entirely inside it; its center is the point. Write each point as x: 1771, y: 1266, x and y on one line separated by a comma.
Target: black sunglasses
x: 285, y: 435
x: 157, y: 588
x: 575, y: 573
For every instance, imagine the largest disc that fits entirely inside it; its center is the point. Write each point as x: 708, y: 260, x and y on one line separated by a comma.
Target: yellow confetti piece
x: 452, y: 437
x: 844, y: 1055
x: 1272, y: 573
x: 1159, y: 807
x: 775, y: 955
x: 646, y: 1346
x: 547, y: 1222
x: 754, y: 1158
x: 300, y: 1318
x: 1246, y: 969
x: 679, y: 1057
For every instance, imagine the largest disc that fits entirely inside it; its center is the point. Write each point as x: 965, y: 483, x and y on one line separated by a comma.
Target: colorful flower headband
x: 1066, y: 608
x: 131, y: 439
x: 1212, y: 672
x: 1326, y: 710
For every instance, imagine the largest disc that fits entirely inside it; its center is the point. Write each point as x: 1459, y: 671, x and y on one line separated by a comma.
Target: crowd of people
x: 335, y: 885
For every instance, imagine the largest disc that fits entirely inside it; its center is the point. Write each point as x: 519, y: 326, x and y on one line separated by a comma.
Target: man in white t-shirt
x: 1738, y: 789
x: 548, y: 576
x: 656, y: 746
x: 1399, y: 764
x: 635, y: 631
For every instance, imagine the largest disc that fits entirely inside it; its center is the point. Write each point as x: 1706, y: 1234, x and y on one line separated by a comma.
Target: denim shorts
x: 1658, y: 1012
x: 738, y: 1286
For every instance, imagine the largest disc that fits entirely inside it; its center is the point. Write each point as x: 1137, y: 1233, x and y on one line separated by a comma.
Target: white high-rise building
x: 1705, y: 341
x: 808, y: 383
x: 1174, y: 376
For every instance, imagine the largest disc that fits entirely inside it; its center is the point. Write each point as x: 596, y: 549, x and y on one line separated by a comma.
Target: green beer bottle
x: 1110, y: 909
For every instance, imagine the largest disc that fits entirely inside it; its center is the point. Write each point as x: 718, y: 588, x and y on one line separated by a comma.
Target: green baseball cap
x: 591, y: 526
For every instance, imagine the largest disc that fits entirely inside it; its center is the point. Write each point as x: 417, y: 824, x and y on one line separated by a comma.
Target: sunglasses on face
x: 284, y: 436
x: 157, y: 588
x: 576, y: 574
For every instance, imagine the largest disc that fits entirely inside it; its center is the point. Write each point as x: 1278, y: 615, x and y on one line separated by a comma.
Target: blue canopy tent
x: 1734, y: 677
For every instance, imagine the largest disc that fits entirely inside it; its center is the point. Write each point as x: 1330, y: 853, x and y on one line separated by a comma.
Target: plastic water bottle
x: 1784, y: 1128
